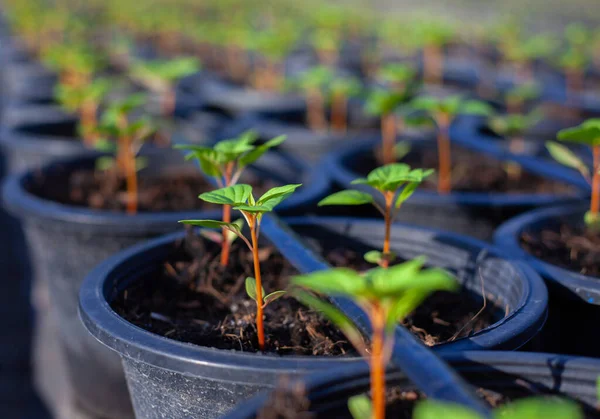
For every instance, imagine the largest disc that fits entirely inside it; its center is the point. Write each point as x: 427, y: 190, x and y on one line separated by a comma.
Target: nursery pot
x: 66, y: 242
x: 28, y: 82
x: 33, y: 135
x: 472, y: 213
x: 574, y: 310
x: 167, y: 378
x: 500, y: 372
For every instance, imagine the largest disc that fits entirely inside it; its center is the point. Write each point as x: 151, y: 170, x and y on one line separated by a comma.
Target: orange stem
x: 445, y: 162
x: 388, y: 136
x: 432, y: 64
x: 131, y: 178
x: 226, y: 218
x: 315, y: 110
x: 574, y: 82
x: 389, y: 197
x: 339, y: 110
x: 169, y: 101
x: 378, y: 363
x: 595, y: 205
x: 89, y: 122
x: 259, y: 297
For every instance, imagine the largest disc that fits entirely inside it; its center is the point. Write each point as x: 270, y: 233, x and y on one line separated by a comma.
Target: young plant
x: 274, y: 44
x: 529, y: 408
x: 588, y: 133
x: 125, y: 137
x: 521, y: 53
x: 513, y: 126
x: 400, y: 85
x: 160, y: 76
x: 313, y: 83
x: 396, y: 182
x: 84, y: 99
x: 386, y: 296
x: 443, y: 112
x: 240, y: 198
x: 516, y: 97
x: 433, y: 36
x: 577, y: 57
x: 341, y: 90
x: 225, y: 162
x: 76, y: 63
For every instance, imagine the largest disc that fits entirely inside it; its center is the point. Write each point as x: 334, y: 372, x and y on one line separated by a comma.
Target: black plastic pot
x: 28, y: 82
x: 574, y: 298
x: 67, y: 242
x: 502, y: 372
x: 474, y: 214
x: 172, y: 379
x: 235, y: 99
x: 33, y: 135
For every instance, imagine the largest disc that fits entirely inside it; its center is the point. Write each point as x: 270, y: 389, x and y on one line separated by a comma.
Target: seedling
x: 274, y: 44
x: 326, y: 42
x: 400, y: 81
x: 160, y: 76
x: 443, y: 112
x: 396, y: 182
x: 240, y: 198
x: 513, y: 126
x: 588, y: 133
x: 313, y: 83
x: 522, y: 52
x: 577, y: 57
x: 75, y: 63
x: 433, y: 36
x: 516, y: 97
x: 529, y: 408
x: 225, y: 162
x: 84, y: 100
x: 386, y: 296
x: 125, y: 138
x: 342, y: 89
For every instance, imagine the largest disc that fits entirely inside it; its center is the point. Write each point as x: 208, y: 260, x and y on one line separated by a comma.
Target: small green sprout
x: 161, y: 75
x: 522, y: 52
x: 396, y: 182
x: 124, y: 137
x: 342, y: 88
x: 513, y: 126
x: 529, y: 408
x: 516, y: 97
x: 588, y: 133
x: 433, y: 36
x: 313, y: 82
x: 443, y: 112
x: 76, y: 63
x: 401, y: 84
x: 240, y: 198
x: 225, y: 162
x: 84, y: 99
x: 326, y: 42
x: 386, y: 296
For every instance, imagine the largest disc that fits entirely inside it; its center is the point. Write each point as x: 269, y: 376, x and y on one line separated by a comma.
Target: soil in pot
x: 473, y: 172
x: 173, y: 190
x: 443, y: 317
x: 193, y: 299
x: 572, y: 247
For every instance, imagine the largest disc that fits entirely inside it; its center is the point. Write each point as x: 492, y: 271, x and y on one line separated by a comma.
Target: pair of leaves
x: 161, y: 74
x: 251, y: 290
x: 566, y: 157
x: 511, y: 125
x: 450, y: 106
x: 240, y: 197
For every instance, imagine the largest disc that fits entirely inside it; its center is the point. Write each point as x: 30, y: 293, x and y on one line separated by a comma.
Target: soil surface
x: 193, y: 299
x: 443, y: 317
x: 175, y: 190
x: 571, y: 247
x: 474, y: 172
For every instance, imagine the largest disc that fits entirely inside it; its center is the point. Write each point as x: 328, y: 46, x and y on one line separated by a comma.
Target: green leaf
x: 209, y: 160
x: 587, y: 133
x: 540, y: 408
x: 360, y: 407
x: 273, y: 296
x: 103, y: 144
x: 233, y: 227
x: 105, y: 163
x: 338, y: 281
x: 251, y: 288
x: 391, y: 176
x: 347, y: 197
x: 255, y: 154
x: 376, y: 257
x: 230, y: 195
x: 564, y: 156
x: 476, y: 107
x: 253, y: 209
x: 433, y: 409
x: 592, y: 221
x: 275, y: 196
x: 234, y: 148
x: 141, y: 163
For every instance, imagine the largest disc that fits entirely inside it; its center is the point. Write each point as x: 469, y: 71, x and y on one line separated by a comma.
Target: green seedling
x: 326, y: 42
x: 160, y: 76
x: 240, y: 198
x: 588, y: 133
x: 386, y: 296
x: 341, y: 90
x: 75, y: 63
x: 516, y: 97
x: 443, y: 112
x: 432, y: 36
x: 400, y: 85
x: 523, y: 52
x: 225, y: 162
x: 84, y: 99
x: 577, y: 56
x: 529, y: 408
x: 313, y: 82
x: 396, y: 182
x: 125, y: 137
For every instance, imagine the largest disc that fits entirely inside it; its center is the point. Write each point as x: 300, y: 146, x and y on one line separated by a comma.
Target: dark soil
x: 571, y: 247
x: 473, y: 172
x: 192, y: 299
x: 443, y: 317
x: 176, y: 190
